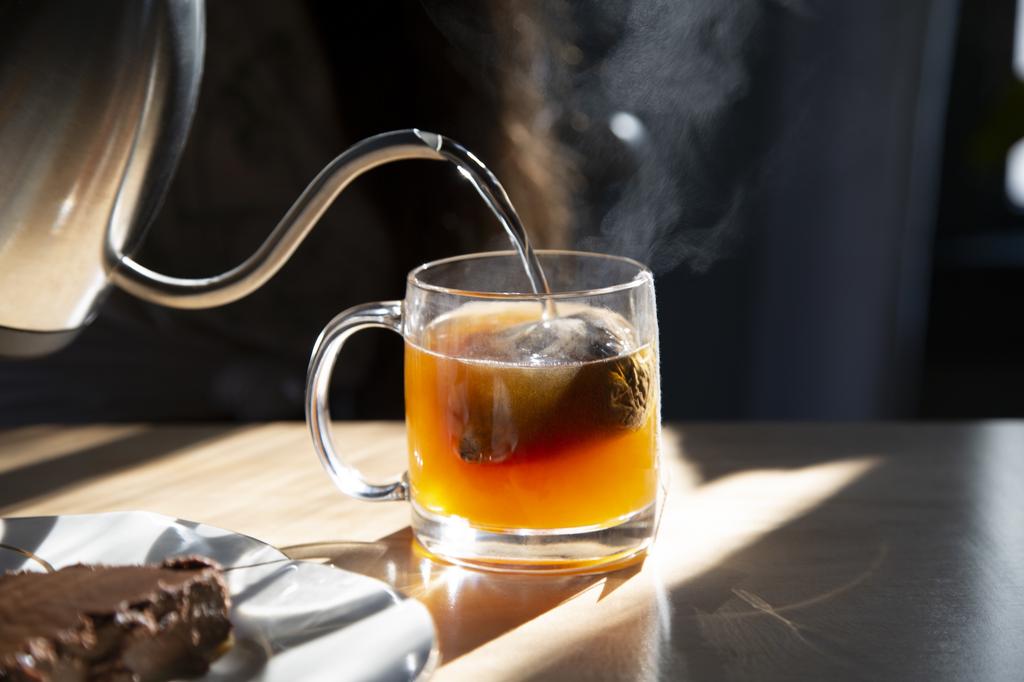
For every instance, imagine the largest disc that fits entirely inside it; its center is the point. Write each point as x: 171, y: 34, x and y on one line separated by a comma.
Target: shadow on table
x: 47, y: 476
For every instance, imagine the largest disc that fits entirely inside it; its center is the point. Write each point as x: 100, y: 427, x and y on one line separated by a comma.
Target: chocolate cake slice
x: 113, y: 622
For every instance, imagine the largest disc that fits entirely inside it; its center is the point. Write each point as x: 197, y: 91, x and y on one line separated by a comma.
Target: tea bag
x: 574, y: 374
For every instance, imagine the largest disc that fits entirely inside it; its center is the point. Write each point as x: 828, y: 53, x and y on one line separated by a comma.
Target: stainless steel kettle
x: 96, y: 100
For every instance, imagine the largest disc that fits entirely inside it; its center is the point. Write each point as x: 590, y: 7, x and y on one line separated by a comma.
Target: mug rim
x: 642, y: 277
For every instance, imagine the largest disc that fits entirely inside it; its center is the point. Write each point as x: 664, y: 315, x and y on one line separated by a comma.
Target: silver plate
x: 293, y: 619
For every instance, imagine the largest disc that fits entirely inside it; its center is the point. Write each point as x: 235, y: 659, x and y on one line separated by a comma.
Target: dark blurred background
x: 830, y: 195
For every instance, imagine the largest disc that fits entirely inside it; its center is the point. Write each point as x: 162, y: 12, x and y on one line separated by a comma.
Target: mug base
x: 593, y: 549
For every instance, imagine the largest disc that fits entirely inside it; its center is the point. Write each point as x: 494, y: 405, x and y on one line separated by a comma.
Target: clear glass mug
x: 534, y: 439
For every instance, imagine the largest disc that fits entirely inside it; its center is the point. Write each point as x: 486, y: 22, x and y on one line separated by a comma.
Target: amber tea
x: 516, y: 421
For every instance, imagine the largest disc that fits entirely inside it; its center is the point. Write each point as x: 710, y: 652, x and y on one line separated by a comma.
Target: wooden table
x: 810, y: 552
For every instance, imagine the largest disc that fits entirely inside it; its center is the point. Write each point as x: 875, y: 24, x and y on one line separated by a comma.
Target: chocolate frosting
x: 113, y: 622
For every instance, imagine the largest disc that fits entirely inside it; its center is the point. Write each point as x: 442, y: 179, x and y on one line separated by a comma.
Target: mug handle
x: 383, y: 314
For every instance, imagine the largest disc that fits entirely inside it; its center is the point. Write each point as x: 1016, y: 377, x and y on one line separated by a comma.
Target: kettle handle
x: 253, y: 272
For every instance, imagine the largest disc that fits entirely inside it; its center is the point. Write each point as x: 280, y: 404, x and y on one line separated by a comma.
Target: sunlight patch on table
x: 702, y: 525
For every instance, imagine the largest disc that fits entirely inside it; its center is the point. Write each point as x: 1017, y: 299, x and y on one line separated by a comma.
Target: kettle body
x: 96, y: 100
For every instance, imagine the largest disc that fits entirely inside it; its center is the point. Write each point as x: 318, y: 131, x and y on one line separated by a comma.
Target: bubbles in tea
x: 521, y: 422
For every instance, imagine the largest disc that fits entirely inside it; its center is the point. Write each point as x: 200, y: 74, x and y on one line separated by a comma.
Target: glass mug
x: 533, y: 422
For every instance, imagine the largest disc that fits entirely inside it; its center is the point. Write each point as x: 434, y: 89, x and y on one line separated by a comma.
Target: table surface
x: 786, y: 551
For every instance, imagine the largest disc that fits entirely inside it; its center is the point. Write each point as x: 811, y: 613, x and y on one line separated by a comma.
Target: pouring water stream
x: 496, y: 198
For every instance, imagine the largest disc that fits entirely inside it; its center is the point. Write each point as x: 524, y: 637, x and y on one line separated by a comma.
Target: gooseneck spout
x: 208, y: 292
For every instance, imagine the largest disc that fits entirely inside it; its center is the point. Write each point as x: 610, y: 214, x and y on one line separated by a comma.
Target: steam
x: 677, y: 84
x: 654, y: 105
